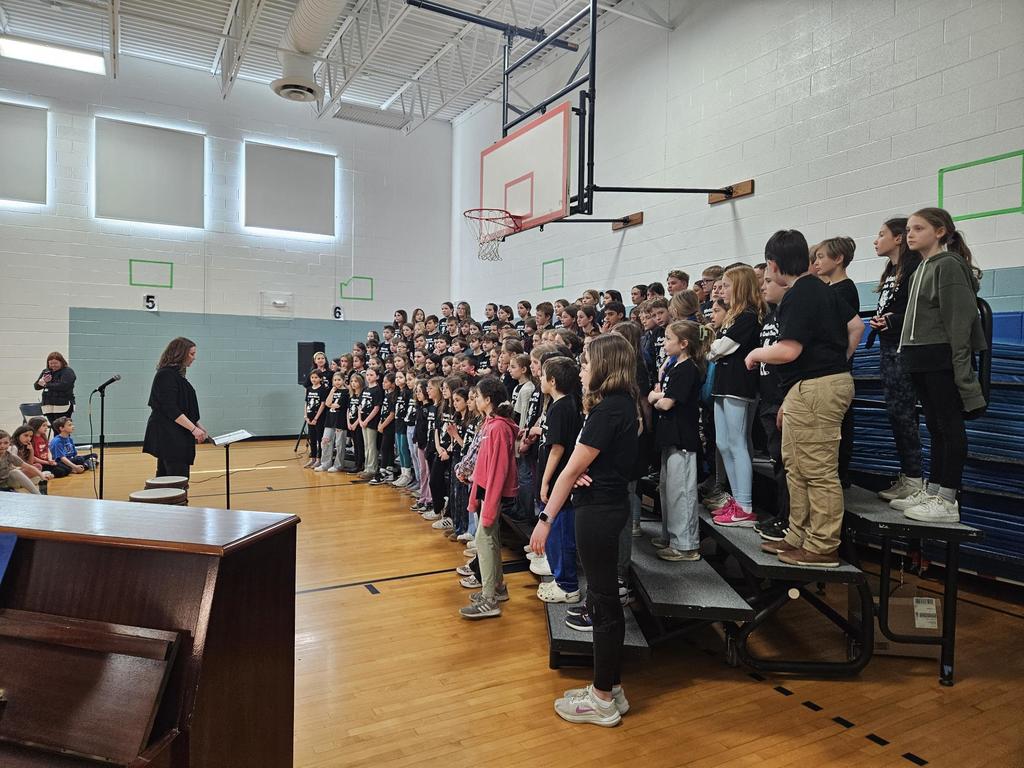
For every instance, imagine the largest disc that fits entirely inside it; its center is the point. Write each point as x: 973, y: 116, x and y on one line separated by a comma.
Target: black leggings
x: 316, y: 436
x: 944, y: 416
x: 773, y: 438
x: 387, y: 448
x: 597, y: 542
x: 438, y: 483
x: 358, y: 447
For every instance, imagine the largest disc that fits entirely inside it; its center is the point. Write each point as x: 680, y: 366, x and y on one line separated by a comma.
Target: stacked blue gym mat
x: 993, y: 496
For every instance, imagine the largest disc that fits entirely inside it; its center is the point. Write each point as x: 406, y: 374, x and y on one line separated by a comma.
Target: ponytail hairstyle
x: 698, y: 340
x: 612, y: 362
x: 954, y: 240
x: 907, y: 261
x: 746, y: 294
x: 24, y: 451
x: 491, y: 388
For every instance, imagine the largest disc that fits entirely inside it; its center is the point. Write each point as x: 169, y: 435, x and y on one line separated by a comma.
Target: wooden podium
x: 142, y: 635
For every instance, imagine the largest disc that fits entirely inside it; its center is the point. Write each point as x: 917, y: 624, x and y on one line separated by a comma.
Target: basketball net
x: 490, y: 226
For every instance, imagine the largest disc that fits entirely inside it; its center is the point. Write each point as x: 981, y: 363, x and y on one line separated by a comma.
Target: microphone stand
x: 103, y: 436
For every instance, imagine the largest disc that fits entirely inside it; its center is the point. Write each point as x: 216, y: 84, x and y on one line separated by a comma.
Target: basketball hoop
x: 489, y: 227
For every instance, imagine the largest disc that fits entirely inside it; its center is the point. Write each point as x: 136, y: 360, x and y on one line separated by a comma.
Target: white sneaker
x: 550, y: 592
x: 621, y: 703
x: 910, y: 501
x: 934, y: 509
x: 430, y: 514
x: 470, y: 582
x: 539, y: 566
x: 464, y: 570
x: 333, y: 470
x: 310, y: 464
x: 319, y: 468
x: 444, y: 524
x: 465, y: 537
x: 403, y: 479
x: 586, y: 708
x: 902, y: 488
x: 531, y: 555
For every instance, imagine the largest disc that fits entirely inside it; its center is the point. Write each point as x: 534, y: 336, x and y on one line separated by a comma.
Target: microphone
x: 108, y: 382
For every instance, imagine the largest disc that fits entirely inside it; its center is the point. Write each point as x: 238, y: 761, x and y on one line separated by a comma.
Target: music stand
x: 226, y: 440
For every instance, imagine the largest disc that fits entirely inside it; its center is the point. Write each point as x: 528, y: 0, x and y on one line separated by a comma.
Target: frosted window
x: 289, y: 189
x: 22, y: 153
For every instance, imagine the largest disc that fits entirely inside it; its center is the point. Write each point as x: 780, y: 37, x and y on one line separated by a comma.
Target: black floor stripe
x: 843, y: 722
x: 372, y: 589
x: 914, y: 758
x: 512, y: 566
x: 877, y: 739
x: 812, y: 706
x: 783, y: 690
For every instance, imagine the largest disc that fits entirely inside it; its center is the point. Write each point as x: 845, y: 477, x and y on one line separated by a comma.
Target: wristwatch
x: 543, y: 517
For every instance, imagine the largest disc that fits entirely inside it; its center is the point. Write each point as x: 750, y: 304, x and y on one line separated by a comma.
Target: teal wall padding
x: 245, y: 370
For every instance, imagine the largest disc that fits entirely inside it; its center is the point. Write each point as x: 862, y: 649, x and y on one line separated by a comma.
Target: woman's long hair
x: 176, y: 354
x: 908, y: 260
x: 612, y: 362
x: 56, y: 356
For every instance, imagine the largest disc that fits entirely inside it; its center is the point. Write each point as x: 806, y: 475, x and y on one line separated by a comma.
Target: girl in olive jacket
x: 941, y: 332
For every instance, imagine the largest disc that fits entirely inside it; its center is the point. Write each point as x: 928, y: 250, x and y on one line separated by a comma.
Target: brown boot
x: 812, y: 559
x: 778, y: 547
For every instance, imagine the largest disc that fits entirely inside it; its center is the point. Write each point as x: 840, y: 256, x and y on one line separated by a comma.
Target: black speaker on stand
x: 305, y: 364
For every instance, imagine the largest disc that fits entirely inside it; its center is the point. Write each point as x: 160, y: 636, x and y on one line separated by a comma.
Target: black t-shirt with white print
x: 387, y: 407
x: 769, y: 382
x: 372, y: 398
x: 353, y: 408
x: 731, y: 375
x: 678, y: 426
x: 314, y: 397
x: 336, y: 418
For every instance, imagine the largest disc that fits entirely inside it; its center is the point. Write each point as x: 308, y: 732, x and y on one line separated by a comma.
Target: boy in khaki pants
x: 817, y: 336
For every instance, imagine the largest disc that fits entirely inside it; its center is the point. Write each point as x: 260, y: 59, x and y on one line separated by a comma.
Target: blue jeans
x: 524, y: 509
x: 561, y: 549
x: 402, y: 446
x: 733, y: 420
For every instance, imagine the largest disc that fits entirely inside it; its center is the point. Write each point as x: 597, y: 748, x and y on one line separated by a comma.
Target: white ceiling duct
x: 307, y: 29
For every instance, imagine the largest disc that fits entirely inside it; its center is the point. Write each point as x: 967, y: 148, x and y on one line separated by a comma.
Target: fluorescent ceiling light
x: 52, y: 55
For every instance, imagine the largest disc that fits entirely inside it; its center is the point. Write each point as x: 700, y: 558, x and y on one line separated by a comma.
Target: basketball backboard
x: 527, y: 172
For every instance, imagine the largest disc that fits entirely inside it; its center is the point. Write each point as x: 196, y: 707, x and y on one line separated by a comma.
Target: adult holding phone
x: 57, y: 381
x: 174, y: 429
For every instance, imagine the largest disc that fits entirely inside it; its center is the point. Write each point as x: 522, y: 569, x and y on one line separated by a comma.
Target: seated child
x: 63, y: 450
x: 41, y: 448
x: 14, y: 471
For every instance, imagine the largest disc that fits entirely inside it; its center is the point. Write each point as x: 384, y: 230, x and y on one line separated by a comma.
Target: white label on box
x: 925, y: 613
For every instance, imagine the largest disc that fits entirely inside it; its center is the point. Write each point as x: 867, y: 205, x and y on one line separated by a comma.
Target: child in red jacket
x: 494, y: 485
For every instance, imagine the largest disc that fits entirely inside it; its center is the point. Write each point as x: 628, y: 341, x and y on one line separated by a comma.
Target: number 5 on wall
x: 149, y: 302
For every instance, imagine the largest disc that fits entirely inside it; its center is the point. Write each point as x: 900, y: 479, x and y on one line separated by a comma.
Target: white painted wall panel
x: 289, y: 189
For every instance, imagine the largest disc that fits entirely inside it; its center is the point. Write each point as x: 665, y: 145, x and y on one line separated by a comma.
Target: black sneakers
x: 579, y: 619
x: 772, y: 529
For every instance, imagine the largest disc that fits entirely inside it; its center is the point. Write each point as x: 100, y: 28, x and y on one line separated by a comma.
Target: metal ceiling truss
x: 460, y: 66
x: 357, y: 41
x: 240, y: 27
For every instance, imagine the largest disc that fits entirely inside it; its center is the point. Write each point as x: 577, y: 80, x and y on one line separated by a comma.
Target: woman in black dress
x: 174, y: 429
x: 58, y: 384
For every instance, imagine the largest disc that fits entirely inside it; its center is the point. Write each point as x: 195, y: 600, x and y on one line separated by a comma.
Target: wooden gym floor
x: 387, y: 674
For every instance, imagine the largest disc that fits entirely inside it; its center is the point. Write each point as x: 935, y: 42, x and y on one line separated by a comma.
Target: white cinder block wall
x: 842, y: 110
x: 394, y: 214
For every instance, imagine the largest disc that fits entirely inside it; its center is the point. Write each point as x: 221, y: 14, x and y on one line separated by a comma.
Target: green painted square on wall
x: 552, y: 274
x: 146, y: 273
x: 357, y: 288
x: 1019, y: 154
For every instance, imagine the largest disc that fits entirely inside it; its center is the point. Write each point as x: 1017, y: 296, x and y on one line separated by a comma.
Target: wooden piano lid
x: 138, y: 526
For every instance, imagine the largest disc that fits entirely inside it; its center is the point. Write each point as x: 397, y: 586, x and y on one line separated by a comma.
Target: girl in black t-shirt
x: 386, y: 429
x: 676, y: 399
x: 403, y: 407
x: 435, y: 413
x: 333, y: 443
x: 458, y: 492
x: 316, y: 394
x: 356, y: 386
x: 735, y: 391
x: 599, y: 468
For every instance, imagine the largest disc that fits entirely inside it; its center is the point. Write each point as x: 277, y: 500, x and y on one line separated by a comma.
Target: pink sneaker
x: 732, y: 514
